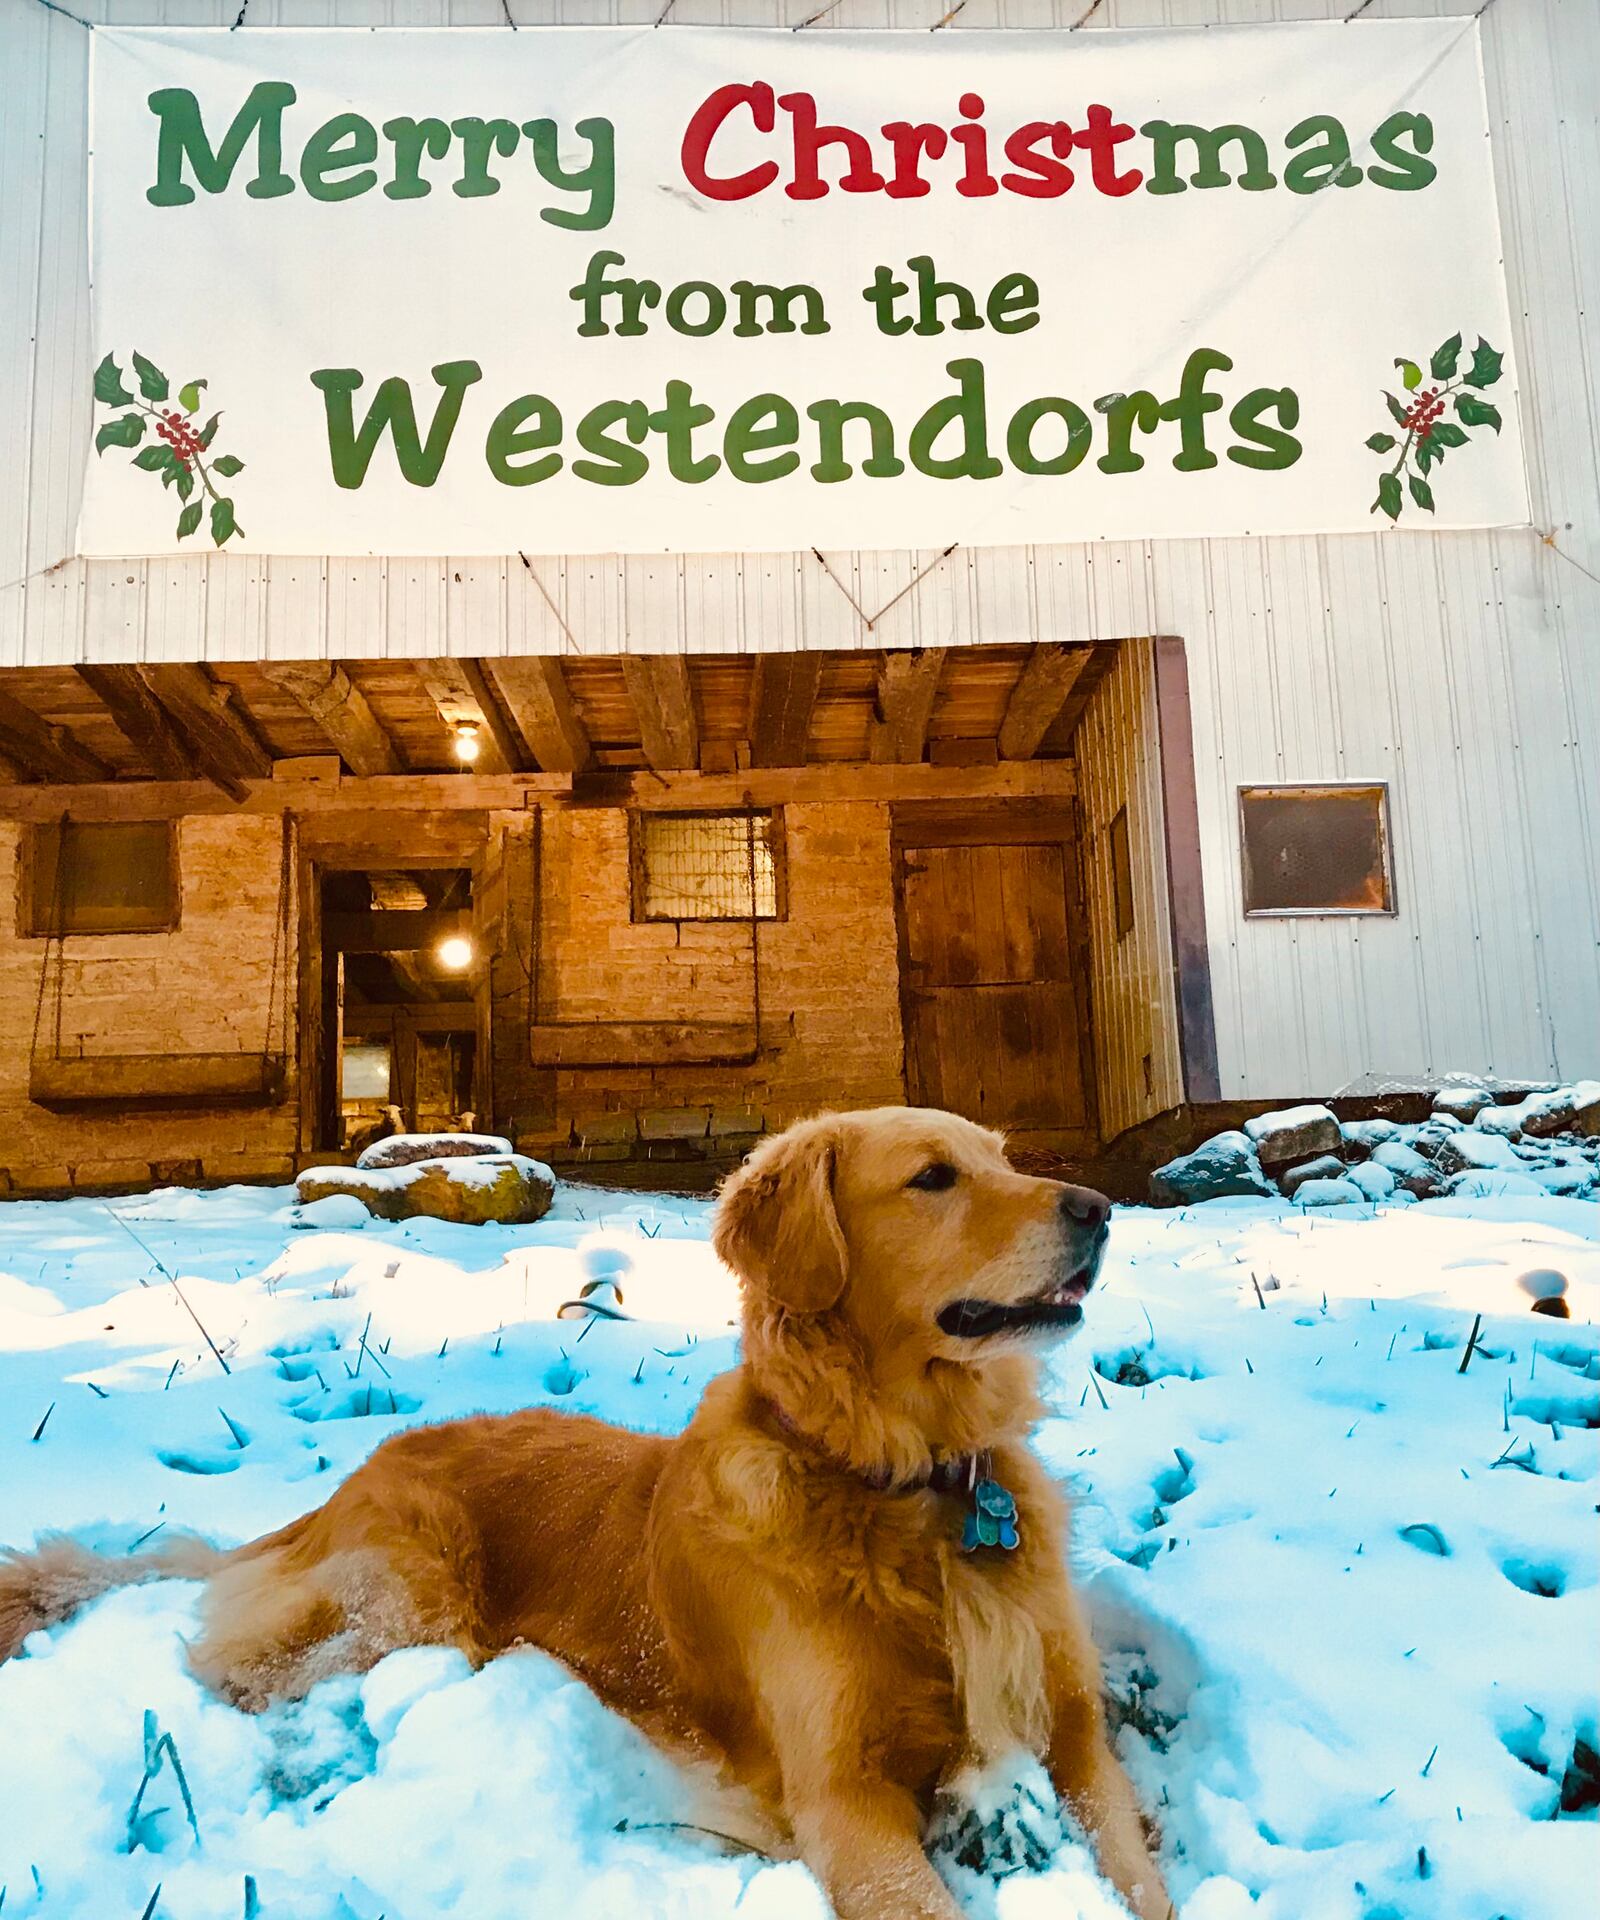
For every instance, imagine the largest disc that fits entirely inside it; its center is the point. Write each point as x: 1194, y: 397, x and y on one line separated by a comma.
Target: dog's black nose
x: 1084, y: 1207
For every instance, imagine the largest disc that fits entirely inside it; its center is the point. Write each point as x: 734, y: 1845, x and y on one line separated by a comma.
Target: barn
x: 633, y: 855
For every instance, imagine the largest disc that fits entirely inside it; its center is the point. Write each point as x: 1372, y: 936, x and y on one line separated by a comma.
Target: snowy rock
x: 1223, y: 1167
x: 1494, y: 1183
x: 334, y: 1211
x: 472, y: 1190
x: 1461, y: 1103
x: 1293, y: 1133
x: 405, y: 1149
x: 1467, y: 1150
x: 1431, y: 1136
x: 1574, y: 1109
x: 1326, y: 1166
x: 1574, y: 1177
x: 1375, y: 1181
x: 1329, y: 1193
x: 1366, y: 1136
x: 1403, y: 1162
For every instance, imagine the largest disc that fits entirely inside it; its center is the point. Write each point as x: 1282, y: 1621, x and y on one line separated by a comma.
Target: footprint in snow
x: 1143, y: 1366
x: 186, y: 1462
x: 366, y: 1402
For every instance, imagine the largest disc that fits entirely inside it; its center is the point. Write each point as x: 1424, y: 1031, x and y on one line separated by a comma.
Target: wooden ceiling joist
x: 908, y: 684
x: 326, y: 692
x: 663, y: 701
x: 141, y: 720
x: 225, y: 745
x: 534, y: 689
x: 1047, y: 679
x: 41, y: 750
x: 783, y: 693
x: 463, y: 697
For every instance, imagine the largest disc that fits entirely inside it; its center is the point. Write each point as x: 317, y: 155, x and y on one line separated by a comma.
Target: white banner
x: 596, y: 290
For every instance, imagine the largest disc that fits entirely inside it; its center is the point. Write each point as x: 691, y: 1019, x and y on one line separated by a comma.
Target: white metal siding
x: 1462, y: 668
x: 1138, y: 1069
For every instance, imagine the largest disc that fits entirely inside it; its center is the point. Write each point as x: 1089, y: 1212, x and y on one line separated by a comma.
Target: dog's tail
x: 49, y: 1585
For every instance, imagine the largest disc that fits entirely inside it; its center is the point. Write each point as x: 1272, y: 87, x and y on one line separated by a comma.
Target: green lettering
x: 1407, y: 172
x: 623, y: 464
x: 351, y: 451
x: 345, y: 141
x: 412, y: 139
x: 746, y: 435
x: 1124, y: 412
x: 1326, y: 164
x: 597, y: 177
x: 963, y: 409
x: 1192, y: 405
x: 1208, y: 143
x: 1016, y: 295
x: 183, y: 137
x: 677, y: 420
x: 831, y: 417
x: 749, y: 293
x: 509, y: 439
x: 480, y: 141
x: 1019, y: 436
x: 1273, y: 450
x: 716, y: 308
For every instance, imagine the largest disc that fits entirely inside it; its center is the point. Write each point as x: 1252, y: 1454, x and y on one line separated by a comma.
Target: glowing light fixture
x: 454, y: 953
x: 466, y: 741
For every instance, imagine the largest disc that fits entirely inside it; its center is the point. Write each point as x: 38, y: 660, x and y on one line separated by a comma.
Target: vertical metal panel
x: 1137, y: 1058
x: 1459, y: 668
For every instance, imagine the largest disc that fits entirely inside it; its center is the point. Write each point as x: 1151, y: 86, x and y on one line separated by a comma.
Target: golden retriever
x: 795, y: 1593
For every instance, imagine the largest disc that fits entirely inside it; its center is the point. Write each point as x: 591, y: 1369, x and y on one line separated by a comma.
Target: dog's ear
x: 776, y: 1224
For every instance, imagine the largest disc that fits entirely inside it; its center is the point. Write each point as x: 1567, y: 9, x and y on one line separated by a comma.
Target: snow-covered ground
x: 1347, y: 1590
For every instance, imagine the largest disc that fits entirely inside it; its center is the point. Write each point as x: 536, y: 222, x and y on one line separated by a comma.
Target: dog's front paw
x: 1004, y: 1821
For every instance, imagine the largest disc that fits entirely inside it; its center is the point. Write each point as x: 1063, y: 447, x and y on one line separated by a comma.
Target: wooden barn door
x: 994, y: 981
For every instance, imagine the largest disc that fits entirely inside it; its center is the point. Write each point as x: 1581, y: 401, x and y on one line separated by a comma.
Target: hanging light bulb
x: 454, y: 953
x: 466, y: 741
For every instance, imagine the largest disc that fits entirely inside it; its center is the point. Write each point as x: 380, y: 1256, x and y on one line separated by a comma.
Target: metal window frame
x: 1389, y: 911
x: 637, y: 888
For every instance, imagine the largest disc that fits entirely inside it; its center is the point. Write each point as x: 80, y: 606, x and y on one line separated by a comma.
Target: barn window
x: 706, y: 866
x: 101, y: 877
x: 1121, y: 874
x: 1316, y: 849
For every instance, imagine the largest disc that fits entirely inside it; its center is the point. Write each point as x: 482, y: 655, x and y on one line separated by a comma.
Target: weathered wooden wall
x: 1135, y: 1027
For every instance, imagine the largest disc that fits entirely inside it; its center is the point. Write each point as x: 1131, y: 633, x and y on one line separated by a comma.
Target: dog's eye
x: 934, y: 1179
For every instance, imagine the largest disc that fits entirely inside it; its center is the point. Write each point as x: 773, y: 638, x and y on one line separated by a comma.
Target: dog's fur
x: 750, y: 1592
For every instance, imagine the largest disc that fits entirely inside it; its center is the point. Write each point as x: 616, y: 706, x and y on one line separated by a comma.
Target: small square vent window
x: 706, y: 866
x: 101, y: 877
x: 1322, y: 849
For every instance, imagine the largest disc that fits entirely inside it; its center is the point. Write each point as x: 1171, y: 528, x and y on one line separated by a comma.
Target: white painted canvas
x: 1289, y: 319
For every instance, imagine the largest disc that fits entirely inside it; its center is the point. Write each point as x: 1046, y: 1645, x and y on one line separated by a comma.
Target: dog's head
x: 909, y: 1233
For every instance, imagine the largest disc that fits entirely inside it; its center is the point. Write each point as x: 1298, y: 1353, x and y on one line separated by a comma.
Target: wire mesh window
x: 115, y: 877
x: 1322, y: 849
x: 706, y: 866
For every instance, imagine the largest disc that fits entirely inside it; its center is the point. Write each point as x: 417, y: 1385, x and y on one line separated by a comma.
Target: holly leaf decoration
x: 183, y: 479
x: 223, y: 524
x: 1486, y: 364
x: 1421, y: 492
x: 1410, y: 373
x: 152, y: 381
x: 208, y: 432
x: 1473, y: 412
x: 154, y: 459
x: 127, y: 430
x: 1443, y: 363
x: 227, y: 464
x: 1381, y: 442
x: 108, y: 387
x: 189, y: 519
x: 189, y: 396
x: 1429, y: 453
x: 1448, y: 434
x: 1397, y: 411
x: 1389, y: 498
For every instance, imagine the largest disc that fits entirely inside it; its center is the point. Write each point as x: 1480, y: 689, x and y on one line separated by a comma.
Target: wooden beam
x: 392, y: 930
x: 782, y: 696
x: 141, y: 720
x: 326, y: 692
x: 658, y: 685
x: 224, y: 743
x: 41, y: 750
x: 535, y: 691
x: 1049, y: 676
x: 461, y: 693
x: 908, y: 684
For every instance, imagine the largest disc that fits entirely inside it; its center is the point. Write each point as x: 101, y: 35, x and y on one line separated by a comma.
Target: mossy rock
x: 502, y: 1189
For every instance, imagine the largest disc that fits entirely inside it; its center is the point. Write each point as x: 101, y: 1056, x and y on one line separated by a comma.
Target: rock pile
x: 1470, y: 1145
x: 471, y: 1178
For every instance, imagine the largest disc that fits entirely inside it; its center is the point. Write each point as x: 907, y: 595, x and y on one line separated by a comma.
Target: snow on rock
x: 401, y: 1149
x: 470, y: 1189
x: 1343, y: 1589
x: 1326, y: 1166
x: 1323, y: 1192
x: 1467, y: 1150
x: 1294, y: 1133
x: 1461, y: 1103
x: 1225, y: 1166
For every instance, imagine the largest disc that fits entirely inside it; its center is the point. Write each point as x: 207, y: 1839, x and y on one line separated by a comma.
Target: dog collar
x: 991, y: 1519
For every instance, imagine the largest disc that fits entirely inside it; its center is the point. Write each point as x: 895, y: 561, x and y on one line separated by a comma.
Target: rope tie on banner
x: 870, y: 620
